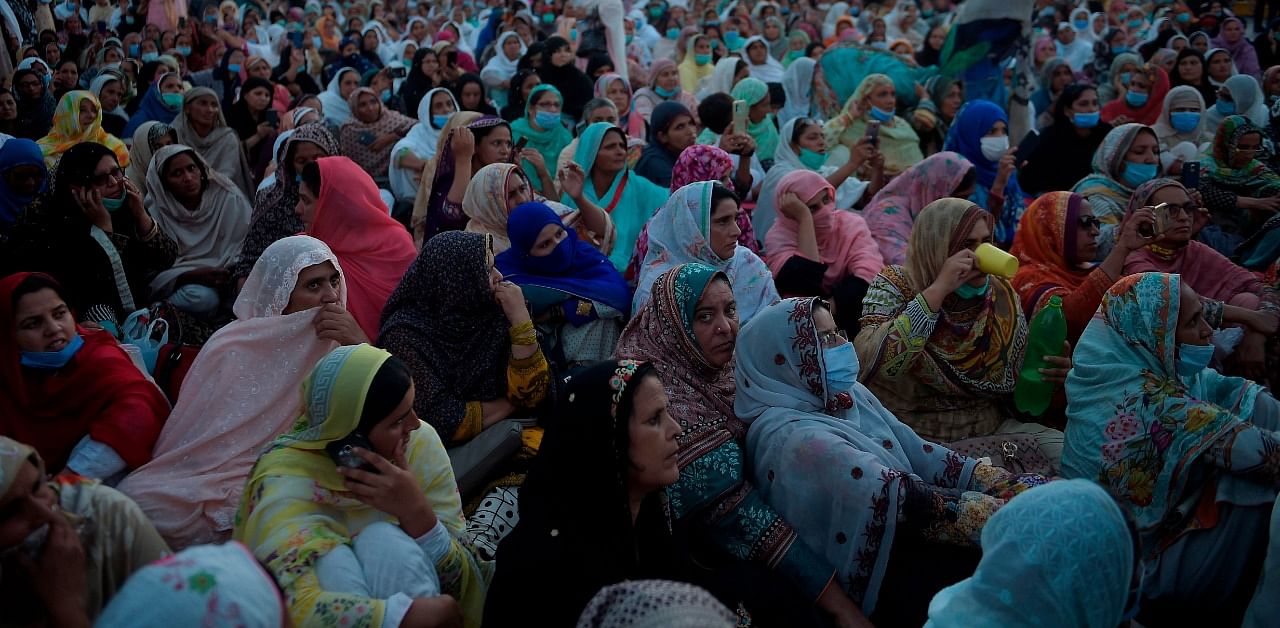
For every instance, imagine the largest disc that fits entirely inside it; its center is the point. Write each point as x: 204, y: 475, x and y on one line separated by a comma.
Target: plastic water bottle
x: 1048, y: 331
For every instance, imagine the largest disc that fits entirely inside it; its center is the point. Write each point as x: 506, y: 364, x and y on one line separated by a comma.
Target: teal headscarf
x: 765, y: 132
x: 630, y: 200
x: 548, y: 142
x: 691, y: 282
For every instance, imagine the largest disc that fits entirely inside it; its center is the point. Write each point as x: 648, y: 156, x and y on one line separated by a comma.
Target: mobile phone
x: 1025, y: 149
x: 873, y: 132
x: 182, y: 23
x: 102, y: 27
x: 273, y: 118
x: 366, y: 138
x: 740, y: 111
x: 1160, y: 225
x: 519, y: 145
x: 397, y: 72
x: 295, y: 38
x: 342, y: 451
x: 1191, y: 174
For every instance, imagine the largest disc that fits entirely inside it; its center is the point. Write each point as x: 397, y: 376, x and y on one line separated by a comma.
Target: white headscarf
x: 1078, y: 53
x: 771, y: 70
x: 1234, y: 70
x: 786, y: 160
x: 421, y: 141
x: 797, y: 82
x: 837, y: 11
x: 336, y: 109
x: 97, y: 86
x: 721, y: 79
x: 1087, y: 33
x: 500, y: 68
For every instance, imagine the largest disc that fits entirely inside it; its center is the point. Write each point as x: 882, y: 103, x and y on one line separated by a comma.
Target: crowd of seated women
x: 666, y: 314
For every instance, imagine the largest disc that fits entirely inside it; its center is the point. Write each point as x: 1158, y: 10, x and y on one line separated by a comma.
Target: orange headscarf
x: 1042, y: 242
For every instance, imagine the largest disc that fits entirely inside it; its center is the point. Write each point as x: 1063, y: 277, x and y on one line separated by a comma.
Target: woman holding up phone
x: 256, y: 123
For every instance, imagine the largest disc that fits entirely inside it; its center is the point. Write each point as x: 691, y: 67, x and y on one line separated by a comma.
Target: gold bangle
x: 521, y: 329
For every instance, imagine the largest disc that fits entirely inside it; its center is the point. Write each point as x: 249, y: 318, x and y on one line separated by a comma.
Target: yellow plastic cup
x: 993, y: 261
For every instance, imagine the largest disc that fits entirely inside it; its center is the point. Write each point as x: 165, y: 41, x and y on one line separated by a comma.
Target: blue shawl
x: 152, y: 108
x: 18, y: 152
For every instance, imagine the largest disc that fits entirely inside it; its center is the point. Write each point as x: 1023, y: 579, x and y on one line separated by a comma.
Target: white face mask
x: 993, y: 148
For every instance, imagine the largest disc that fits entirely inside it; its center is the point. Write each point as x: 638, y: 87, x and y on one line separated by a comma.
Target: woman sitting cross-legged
x: 355, y: 510
x: 897, y: 515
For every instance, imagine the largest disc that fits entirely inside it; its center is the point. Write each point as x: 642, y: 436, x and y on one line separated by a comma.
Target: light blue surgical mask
x: 231, y: 67
x: 1226, y: 107
x: 1080, y: 24
x: 842, y: 368
x: 1136, y: 174
x: 1084, y: 120
x: 673, y: 33
x: 655, y: 12
x: 1193, y: 358
x: 317, y: 42
x: 1184, y: 18
x: 966, y: 291
x: 732, y: 39
x: 150, y: 56
x: 1184, y: 121
x: 386, y: 95
x: 883, y: 115
x: 52, y: 360
x: 546, y: 119
x: 112, y: 204
x: 133, y: 50
x: 1119, y: 50
x: 439, y: 121
x: 666, y: 93
x: 1135, y: 23
x: 172, y: 101
x: 184, y: 50
x: 702, y: 59
x: 812, y: 160
x: 628, y: 39
x: 1136, y: 99
x: 1124, y: 77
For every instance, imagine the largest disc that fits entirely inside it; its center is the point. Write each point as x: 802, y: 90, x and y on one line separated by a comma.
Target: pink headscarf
x: 374, y: 249
x: 844, y: 241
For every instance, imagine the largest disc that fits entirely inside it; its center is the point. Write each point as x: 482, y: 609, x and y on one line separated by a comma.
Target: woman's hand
x: 334, y: 322
x: 509, y: 296
x: 863, y: 151
x: 534, y: 157
x: 1130, y: 237
x: 1265, y: 322
x: 956, y: 271
x: 90, y: 202
x: 1251, y: 356
x: 792, y: 207
x: 572, y: 180
x: 384, y: 142
x: 433, y: 612
x: 1060, y: 365
x: 58, y: 575
x: 393, y: 490
x: 133, y: 200
x: 1005, y: 168
x: 463, y: 143
x: 843, y: 612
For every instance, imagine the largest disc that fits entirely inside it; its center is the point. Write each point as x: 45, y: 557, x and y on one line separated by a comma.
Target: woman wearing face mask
x: 546, y: 136
x: 824, y: 452
x: 1151, y: 422
x: 1240, y: 192
x: 1181, y: 128
x: 944, y: 341
x: 1061, y: 154
x: 664, y: 86
x: 160, y: 103
x: 1056, y: 243
x: 410, y: 156
x: 577, y: 298
x: 1241, y: 96
x: 73, y: 394
x: 1141, y: 99
x: 1127, y: 158
x: 981, y: 135
x: 1211, y: 274
x: 78, y: 120
x: 802, y: 147
x: 373, y: 129
x: 875, y: 99
x: 697, y: 65
x: 290, y: 313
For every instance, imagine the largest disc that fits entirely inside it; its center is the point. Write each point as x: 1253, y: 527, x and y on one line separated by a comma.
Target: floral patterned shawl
x: 1254, y: 177
x: 893, y: 210
x: 1105, y: 189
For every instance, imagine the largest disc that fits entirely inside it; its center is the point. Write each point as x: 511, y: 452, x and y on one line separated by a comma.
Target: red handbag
x: 174, y: 360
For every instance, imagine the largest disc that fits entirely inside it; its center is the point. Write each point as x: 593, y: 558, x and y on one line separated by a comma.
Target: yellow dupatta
x: 66, y: 131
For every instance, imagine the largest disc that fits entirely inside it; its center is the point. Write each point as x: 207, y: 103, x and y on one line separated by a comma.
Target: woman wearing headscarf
x: 816, y: 249
x: 207, y: 217
x: 671, y: 130
x: 801, y: 146
x: 275, y: 209
x: 1061, y: 154
x: 341, y: 207
x: 438, y: 206
x: 1127, y: 158
x: 202, y: 126
x: 94, y: 534
x: 1219, y: 67
x: 113, y: 116
x: 688, y: 331
x: 628, y: 198
x: 468, y: 340
x: 289, y: 314
x: 78, y: 120
x: 1113, y: 83
x: 592, y: 512
x: 655, y: 602
x: 664, y: 86
x: 616, y: 89
x: 23, y: 176
x: 497, y: 189
x: 698, y: 225
x: 424, y: 75
x: 761, y: 124
x: 248, y: 118
x: 469, y: 90
x: 1072, y: 48
x: 559, y: 71
x: 367, y: 551
x: 810, y: 422
x: 73, y: 394
x: 1240, y: 191
x: 1143, y: 96
x: 892, y: 212
x: 35, y: 104
x: 1079, y: 569
x: 367, y: 137
x: 1239, y: 95
x: 227, y: 573
x: 1182, y: 126
x: 1190, y: 70
x: 981, y: 135
x: 943, y: 341
x: 934, y: 115
x: 1152, y: 423
x: 1231, y: 37
x: 726, y: 74
x: 1055, y: 245
x: 335, y: 96
x: 545, y: 135
x: 763, y: 65
x: 160, y: 103
x: 875, y: 99
x: 696, y: 66
x: 522, y: 83
x: 103, y: 259
x: 502, y: 66
x: 411, y: 155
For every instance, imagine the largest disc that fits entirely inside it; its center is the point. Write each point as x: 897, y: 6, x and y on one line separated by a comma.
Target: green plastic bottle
x: 1032, y: 395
